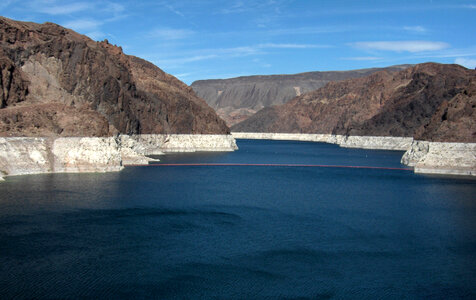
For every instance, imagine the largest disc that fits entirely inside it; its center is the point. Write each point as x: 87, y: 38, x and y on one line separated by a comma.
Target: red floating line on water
x: 267, y: 165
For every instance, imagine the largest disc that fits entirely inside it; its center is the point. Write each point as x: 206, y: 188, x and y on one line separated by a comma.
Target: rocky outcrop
x: 75, y: 155
x: 442, y: 158
x: 33, y: 155
x: 194, y: 143
x: 24, y: 155
x: 52, y: 119
x: 455, y: 119
x: 236, y: 99
x: 13, y: 88
x: 157, y: 144
x: 429, y: 101
x: 56, y: 82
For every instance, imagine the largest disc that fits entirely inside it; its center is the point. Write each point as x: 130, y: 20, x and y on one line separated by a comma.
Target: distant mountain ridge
x: 56, y: 82
x: 432, y: 102
x: 236, y: 99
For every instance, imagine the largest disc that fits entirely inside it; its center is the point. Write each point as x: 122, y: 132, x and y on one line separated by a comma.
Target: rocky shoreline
x: 364, y: 142
x: 441, y: 158
x: 425, y: 157
x: 35, y: 155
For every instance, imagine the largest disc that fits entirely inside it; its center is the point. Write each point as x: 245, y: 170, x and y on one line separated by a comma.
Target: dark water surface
x: 241, y: 232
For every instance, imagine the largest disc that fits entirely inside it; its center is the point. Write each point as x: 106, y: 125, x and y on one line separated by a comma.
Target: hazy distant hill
x: 432, y: 102
x: 236, y: 99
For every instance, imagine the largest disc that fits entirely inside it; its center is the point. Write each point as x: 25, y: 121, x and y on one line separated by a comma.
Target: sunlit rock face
x: 56, y: 82
x: 236, y: 99
x: 432, y: 102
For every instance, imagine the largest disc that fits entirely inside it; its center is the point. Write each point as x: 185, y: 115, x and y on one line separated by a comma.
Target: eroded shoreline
x: 36, y: 155
x: 425, y: 157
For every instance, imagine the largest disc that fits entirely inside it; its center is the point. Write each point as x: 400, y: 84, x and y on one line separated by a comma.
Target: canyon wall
x: 236, y: 99
x: 56, y: 82
x: 432, y: 102
x: 71, y: 104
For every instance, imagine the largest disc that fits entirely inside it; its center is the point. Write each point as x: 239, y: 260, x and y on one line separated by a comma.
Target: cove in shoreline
x: 35, y: 155
x: 425, y: 157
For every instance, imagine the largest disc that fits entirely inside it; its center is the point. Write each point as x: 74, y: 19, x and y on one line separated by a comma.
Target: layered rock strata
x: 34, y: 155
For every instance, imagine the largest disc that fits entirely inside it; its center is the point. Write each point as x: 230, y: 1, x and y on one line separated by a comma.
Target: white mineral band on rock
x: 442, y: 158
x: 364, y: 142
x: 34, y: 155
x: 425, y: 157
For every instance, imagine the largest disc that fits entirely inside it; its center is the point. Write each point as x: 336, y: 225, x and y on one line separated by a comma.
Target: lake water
x: 241, y: 231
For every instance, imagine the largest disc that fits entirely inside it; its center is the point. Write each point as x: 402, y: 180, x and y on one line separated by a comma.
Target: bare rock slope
x: 236, y: 99
x: 56, y: 82
x: 431, y: 102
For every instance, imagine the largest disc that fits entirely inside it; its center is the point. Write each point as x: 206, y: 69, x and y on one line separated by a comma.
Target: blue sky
x: 204, y: 39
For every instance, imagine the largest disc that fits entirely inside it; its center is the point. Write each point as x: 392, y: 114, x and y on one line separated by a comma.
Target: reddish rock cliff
x: 236, y: 99
x: 56, y: 82
x: 429, y: 101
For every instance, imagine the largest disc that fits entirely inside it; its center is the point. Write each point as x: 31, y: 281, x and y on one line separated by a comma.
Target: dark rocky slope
x: 432, y: 102
x: 56, y: 82
x: 236, y: 99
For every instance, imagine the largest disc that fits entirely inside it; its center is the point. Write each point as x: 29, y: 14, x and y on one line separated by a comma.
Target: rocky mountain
x: 432, y: 102
x: 236, y: 99
x: 56, y: 82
